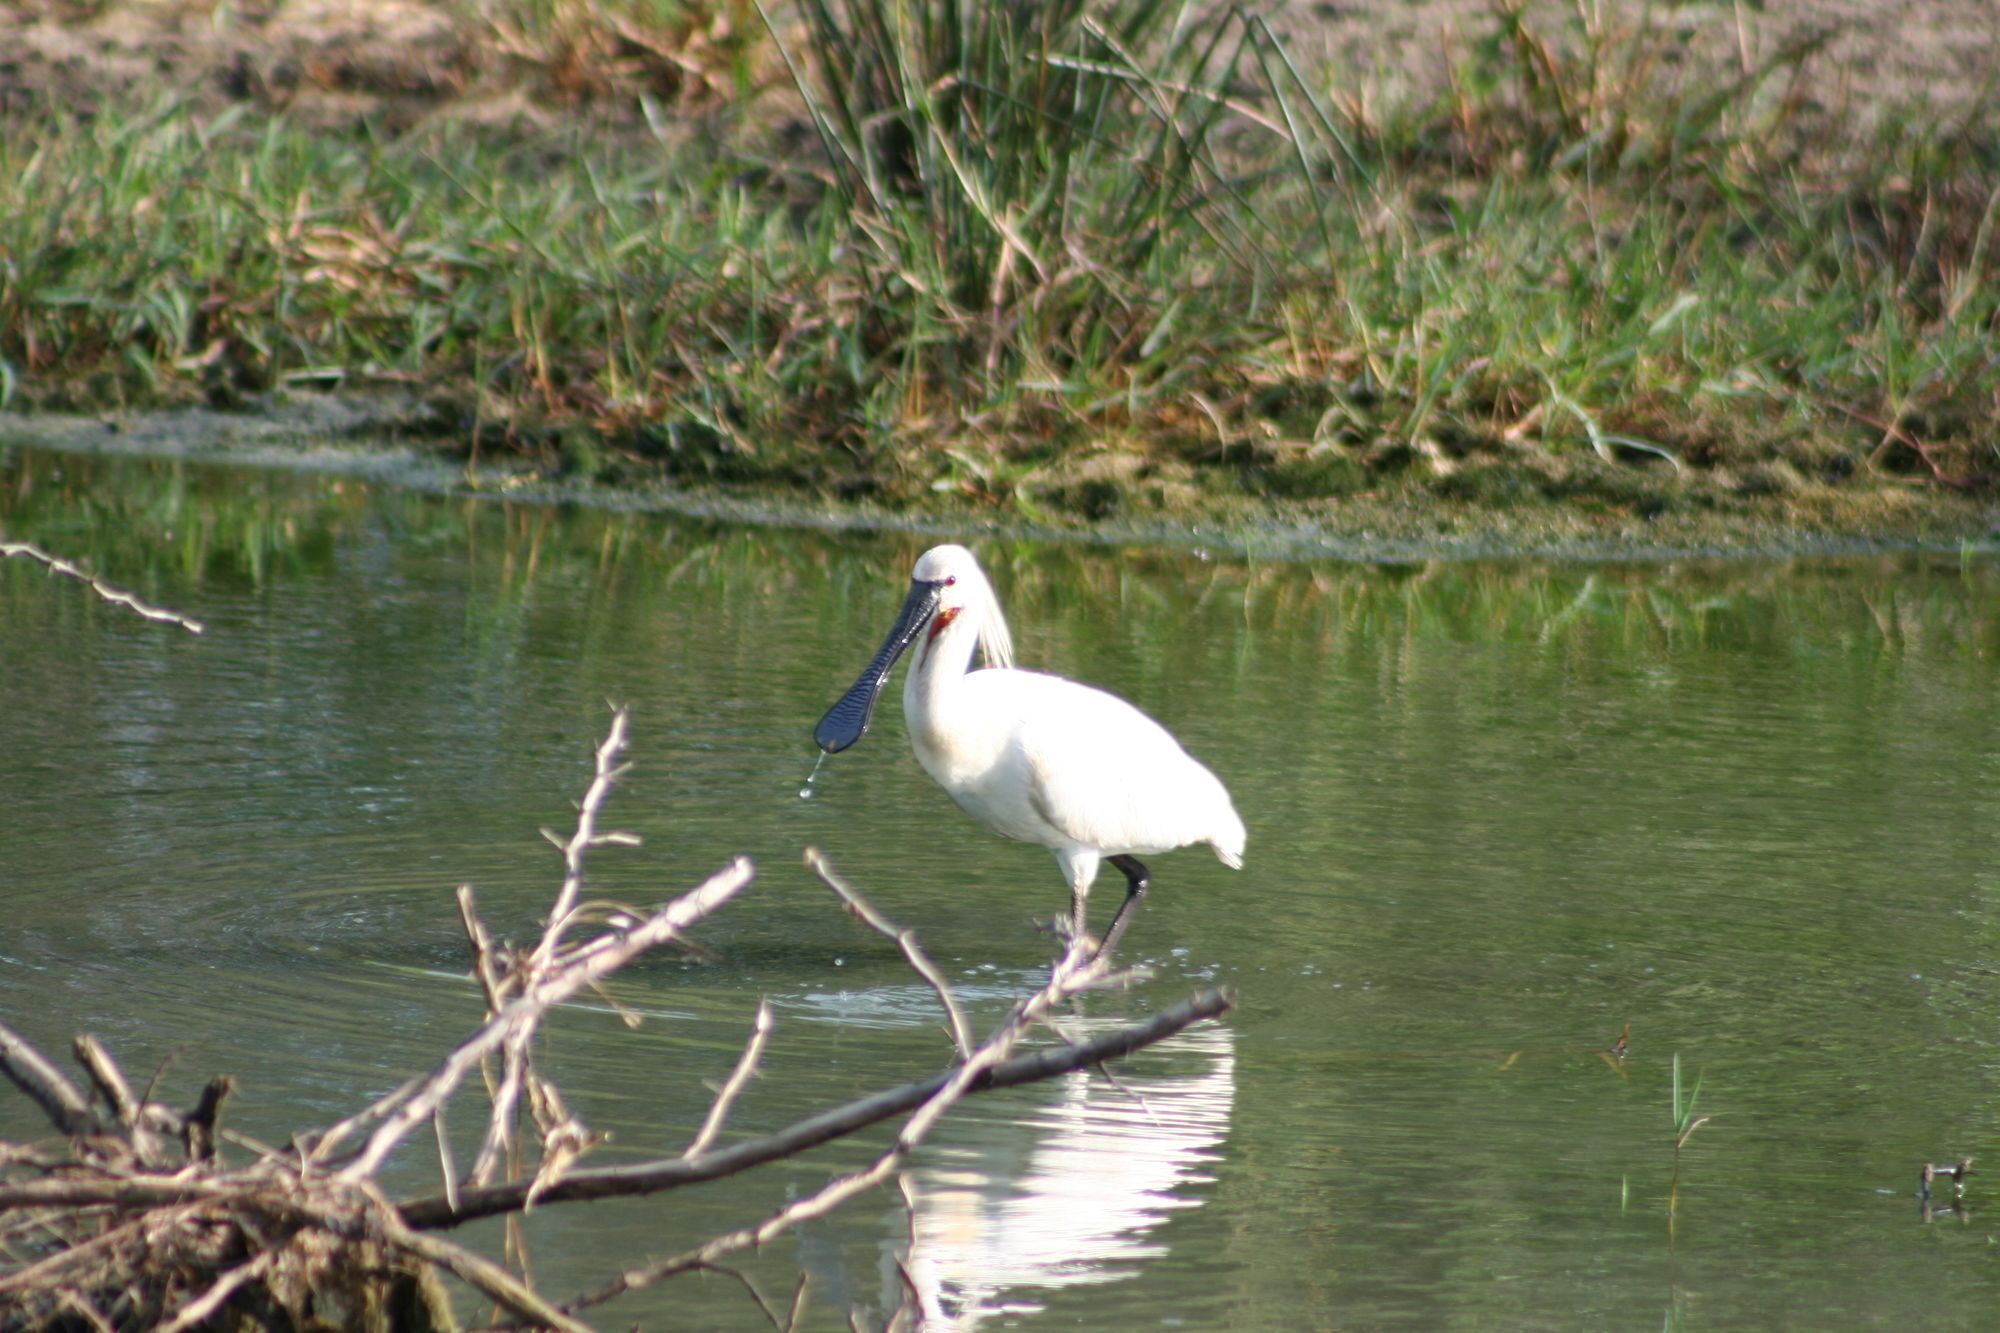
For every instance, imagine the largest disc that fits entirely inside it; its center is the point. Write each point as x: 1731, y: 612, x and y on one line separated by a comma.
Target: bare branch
x: 199, y: 1234
x: 662, y: 926
x: 608, y: 772
x: 672, y: 1173
x: 76, y: 1302
x: 515, y: 1072
x: 325, y: 1141
x: 750, y: 1287
x: 746, y: 1065
x: 446, y: 1166
x: 798, y: 1302
x: 144, y: 1123
x: 31, y: 1072
x: 1078, y: 970
x: 485, y: 965
x: 147, y: 1191
x: 480, y: 1273
x: 57, y: 565
x: 84, y: 1252
x: 107, y: 1077
x: 906, y: 939
x: 196, y: 1311
x: 565, y: 1138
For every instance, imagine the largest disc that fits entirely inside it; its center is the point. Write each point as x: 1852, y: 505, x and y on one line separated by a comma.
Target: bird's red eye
x: 950, y: 579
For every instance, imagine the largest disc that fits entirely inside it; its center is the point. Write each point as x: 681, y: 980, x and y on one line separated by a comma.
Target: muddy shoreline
x: 356, y: 436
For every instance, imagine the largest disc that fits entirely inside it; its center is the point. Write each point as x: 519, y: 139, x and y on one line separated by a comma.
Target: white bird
x: 1033, y: 756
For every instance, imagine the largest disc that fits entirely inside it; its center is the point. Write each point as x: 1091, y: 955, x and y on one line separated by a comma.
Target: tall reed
x: 1050, y: 198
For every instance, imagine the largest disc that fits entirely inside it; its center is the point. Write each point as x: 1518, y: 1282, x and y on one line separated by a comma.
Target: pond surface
x: 1497, y: 813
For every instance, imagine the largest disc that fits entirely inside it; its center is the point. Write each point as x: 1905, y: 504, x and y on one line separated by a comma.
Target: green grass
x: 1041, y: 261
x: 1686, y: 1122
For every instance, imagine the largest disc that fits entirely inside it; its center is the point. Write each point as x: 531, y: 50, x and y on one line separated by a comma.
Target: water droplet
x: 806, y: 792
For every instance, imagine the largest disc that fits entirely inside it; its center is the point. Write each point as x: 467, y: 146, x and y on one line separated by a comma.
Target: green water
x: 1496, y: 813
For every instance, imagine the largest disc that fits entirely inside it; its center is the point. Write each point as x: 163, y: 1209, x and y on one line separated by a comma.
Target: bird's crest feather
x: 995, y: 643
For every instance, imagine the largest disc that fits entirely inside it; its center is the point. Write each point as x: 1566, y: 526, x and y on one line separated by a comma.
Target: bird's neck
x: 938, y: 672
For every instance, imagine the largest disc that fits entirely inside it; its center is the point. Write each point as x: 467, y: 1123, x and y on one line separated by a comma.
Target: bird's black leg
x: 1134, y: 871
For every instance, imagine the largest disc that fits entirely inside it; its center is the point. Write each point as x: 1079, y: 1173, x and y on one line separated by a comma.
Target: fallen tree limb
x: 45, y: 1085
x: 672, y: 1173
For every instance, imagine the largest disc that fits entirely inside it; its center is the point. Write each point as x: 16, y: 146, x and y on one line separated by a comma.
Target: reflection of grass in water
x: 158, y: 523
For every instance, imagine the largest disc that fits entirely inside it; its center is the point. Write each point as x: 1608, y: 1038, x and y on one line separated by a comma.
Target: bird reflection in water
x: 1109, y: 1162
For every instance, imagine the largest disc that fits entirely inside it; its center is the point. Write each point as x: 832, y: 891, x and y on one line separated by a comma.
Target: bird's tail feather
x: 1229, y: 843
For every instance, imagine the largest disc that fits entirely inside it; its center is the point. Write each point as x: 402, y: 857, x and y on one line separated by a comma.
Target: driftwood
x: 138, y: 1218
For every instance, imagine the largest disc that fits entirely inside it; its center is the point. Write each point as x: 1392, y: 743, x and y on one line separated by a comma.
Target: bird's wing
x: 1107, y: 776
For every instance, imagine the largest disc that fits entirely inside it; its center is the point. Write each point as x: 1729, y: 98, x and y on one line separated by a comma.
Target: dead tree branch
x: 675, y: 1172
x: 906, y: 940
x: 746, y: 1065
x: 662, y: 926
x: 31, y: 1072
x: 1080, y: 968
x: 117, y: 596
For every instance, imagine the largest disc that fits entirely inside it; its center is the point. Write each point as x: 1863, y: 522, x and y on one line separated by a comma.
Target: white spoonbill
x: 1033, y: 756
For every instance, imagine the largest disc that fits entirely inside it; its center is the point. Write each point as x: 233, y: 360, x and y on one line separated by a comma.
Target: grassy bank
x: 1031, y: 259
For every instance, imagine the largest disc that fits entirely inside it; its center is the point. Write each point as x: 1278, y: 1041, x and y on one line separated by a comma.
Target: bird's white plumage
x: 1043, y: 759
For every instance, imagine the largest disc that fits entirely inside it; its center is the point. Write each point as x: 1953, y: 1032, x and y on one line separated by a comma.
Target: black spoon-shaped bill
x: 847, y: 721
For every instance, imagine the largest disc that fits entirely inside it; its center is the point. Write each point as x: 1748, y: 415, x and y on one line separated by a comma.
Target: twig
x: 662, y: 926
x: 913, y: 1295
x: 1078, y: 970
x: 565, y: 1138
x: 39, y: 1272
x: 751, y: 1287
x: 483, y: 965
x: 608, y: 773
x: 653, y: 1177
x: 325, y: 1141
x: 798, y: 1301
x: 672, y: 1173
x: 515, y: 1073
x: 117, y: 1192
x: 446, y: 1165
x: 57, y: 565
x: 906, y: 939
x: 483, y: 1274
x: 144, y: 1122
x: 746, y: 1065
x: 198, y: 1310
x: 76, y: 1301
